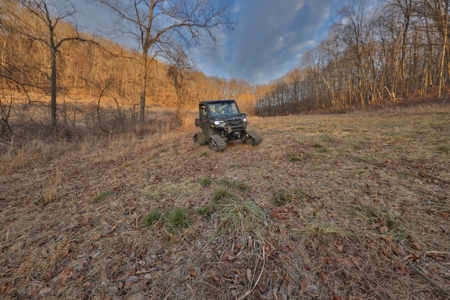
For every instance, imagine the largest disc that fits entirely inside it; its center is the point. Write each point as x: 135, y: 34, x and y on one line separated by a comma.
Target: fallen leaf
x: 324, y: 277
x: 410, y: 257
x: 66, y: 274
x: 148, y: 277
x: 303, y: 285
x: 128, y: 284
x: 312, y: 288
x: 214, y: 275
x: 346, y: 262
x: 315, y: 211
x: 402, y: 271
x: 249, y: 275
x: 230, y: 257
x: 193, y: 273
x: 315, y: 244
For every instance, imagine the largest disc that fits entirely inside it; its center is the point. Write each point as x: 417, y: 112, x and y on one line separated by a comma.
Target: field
x: 349, y: 206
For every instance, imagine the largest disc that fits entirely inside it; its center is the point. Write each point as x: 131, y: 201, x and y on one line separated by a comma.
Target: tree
x: 178, y: 71
x: 39, y: 21
x: 159, y: 26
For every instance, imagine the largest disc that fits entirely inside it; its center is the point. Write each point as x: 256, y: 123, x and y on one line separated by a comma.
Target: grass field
x: 351, y: 206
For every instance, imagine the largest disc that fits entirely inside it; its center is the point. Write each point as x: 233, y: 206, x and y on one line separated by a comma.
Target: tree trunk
x: 53, y: 83
x: 143, y: 91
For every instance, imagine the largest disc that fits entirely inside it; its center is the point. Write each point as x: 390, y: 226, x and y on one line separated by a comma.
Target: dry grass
x: 366, y: 219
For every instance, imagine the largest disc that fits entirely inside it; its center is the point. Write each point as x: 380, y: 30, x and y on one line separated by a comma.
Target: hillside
x: 352, y: 206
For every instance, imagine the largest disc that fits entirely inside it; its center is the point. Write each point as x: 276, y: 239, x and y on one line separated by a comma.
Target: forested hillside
x: 377, y: 52
x: 93, y: 82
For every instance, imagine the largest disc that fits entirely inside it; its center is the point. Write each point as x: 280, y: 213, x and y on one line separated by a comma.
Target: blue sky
x: 269, y: 40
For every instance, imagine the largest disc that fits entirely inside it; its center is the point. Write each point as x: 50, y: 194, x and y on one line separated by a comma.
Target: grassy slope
x: 365, y: 205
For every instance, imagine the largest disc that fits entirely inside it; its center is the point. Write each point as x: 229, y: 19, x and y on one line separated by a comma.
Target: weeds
x: 317, y: 146
x: 153, y: 217
x: 241, y: 217
x: 206, y: 181
x: 225, y: 182
x: 207, y: 210
x: 443, y: 150
x: 298, y: 193
x: 204, y: 154
x: 241, y: 186
x: 383, y: 221
x: 323, y: 232
x: 177, y: 219
x: 281, y: 197
x: 364, y: 159
x: 356, y: 146
x: 325, y: 138
x: 293, y: 157
x: 322, y: 150
x: 42, y: 199
x: 223, y: 195
x: 102, y: 196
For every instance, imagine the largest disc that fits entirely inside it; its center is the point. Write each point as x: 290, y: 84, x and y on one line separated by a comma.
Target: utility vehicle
x: 221, y: 121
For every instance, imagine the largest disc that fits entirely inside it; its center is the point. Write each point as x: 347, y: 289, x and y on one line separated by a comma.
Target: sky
x: 269, y: 40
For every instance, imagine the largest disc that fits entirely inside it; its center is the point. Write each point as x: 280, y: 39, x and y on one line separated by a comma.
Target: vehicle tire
x: 199, y: 138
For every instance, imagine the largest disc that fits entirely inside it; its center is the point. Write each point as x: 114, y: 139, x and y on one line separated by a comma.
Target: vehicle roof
x: 216, y: 101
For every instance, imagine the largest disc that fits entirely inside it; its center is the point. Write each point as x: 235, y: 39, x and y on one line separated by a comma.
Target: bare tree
x: 156, y: 24
x: 46, y: 16
x: 178, y: 71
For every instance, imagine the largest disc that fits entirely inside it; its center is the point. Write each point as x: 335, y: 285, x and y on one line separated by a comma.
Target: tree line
x: 377, y: 52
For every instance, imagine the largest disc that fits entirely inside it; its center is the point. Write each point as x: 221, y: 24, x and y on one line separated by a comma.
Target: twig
x: 445, y: 99
x: 177, y: 238
x: 436, y: 252
x: 259, y: 277
x: 210, y: 286
x: 429, y: 279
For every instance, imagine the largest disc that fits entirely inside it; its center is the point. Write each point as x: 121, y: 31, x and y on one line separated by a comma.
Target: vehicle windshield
x: 223, y: 109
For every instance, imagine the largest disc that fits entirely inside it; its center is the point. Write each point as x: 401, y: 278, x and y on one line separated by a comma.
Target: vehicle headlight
x: 245, y: 120
x: 219, y: 123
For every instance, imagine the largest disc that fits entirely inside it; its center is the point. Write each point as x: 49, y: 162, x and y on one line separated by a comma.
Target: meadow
x: 338, y: 206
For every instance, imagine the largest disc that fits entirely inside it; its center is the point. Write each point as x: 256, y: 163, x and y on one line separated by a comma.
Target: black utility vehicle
x: 221, y: 121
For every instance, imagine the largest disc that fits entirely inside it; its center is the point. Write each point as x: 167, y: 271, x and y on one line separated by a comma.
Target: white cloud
x: 271, y: 36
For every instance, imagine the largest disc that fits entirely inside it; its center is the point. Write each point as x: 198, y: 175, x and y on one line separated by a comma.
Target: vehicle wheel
x: 199, y: 138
